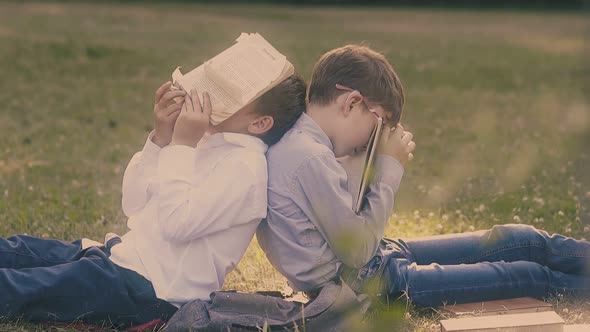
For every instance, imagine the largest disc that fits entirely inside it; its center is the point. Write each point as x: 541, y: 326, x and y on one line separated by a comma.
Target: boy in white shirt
x: 194, y: 196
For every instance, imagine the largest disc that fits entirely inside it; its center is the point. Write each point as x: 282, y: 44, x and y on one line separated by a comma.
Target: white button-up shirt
x: 192, y: 212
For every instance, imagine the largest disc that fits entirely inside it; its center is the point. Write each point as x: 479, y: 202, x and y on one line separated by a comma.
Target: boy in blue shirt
x: 313, y: 237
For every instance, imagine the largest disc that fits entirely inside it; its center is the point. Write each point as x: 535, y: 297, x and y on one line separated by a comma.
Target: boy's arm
x: 353, y: 238
x: 231, y: 194
x: 143, y: 165
x: 137, y: 177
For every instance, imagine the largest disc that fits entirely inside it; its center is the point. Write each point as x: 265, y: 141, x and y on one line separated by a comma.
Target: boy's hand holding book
x: 398, y: 144
x: 193, y: 120
x: 166, y: 111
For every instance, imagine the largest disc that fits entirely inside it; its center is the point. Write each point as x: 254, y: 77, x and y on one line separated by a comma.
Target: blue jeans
x: 506, y: 261
x: 53, y: 280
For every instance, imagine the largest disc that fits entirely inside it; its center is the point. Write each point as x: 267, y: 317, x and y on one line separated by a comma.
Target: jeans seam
x: 32, y: 256
x: 567, y: 254
x: 474, y: 287
x: 491, y: 252
x: 530, y: 244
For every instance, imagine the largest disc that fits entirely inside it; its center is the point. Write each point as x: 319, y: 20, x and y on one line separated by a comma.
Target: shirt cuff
x: 150, y: 151
x: 390, y: 171
x: 177, y: 162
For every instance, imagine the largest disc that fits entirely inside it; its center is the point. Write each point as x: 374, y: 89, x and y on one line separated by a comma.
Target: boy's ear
x: 261, y: 125
x: 352, y: 100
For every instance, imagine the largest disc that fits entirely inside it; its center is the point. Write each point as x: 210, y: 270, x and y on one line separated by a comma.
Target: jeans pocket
x: 369, y: 278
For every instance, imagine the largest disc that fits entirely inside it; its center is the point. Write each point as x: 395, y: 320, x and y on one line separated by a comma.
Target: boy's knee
x: 516, y: 233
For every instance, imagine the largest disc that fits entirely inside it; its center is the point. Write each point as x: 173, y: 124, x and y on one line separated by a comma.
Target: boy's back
x: 311, y: 231
x: 304, y: 142
x: 310, y: 210
x: 179, y: 237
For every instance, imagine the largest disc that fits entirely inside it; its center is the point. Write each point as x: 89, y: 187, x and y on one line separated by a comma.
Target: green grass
x: 496, y: 100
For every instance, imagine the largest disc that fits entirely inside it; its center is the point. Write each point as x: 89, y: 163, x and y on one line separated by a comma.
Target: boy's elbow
x: 360, y: 254
x: 127, y: 206
x: 357, y: 260
x: 171, y: 223
x: 169, y: 233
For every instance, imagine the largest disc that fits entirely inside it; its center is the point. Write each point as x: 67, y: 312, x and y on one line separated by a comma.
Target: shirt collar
x: 306, y: 125
x: 247, y: 141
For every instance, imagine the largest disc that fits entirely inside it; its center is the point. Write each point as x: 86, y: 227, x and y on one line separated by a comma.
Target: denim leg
x: 434, y: 284
x: 510, y: 243
x: 91, y: 289
x: 24, y: 251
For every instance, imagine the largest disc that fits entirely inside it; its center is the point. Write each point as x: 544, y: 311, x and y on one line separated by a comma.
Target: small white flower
x: 516, y: 219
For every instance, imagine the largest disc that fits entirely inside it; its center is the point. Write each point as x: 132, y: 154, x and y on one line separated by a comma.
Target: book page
x: 246, y: 68
x: 221, y: 102
x: 237, y: 76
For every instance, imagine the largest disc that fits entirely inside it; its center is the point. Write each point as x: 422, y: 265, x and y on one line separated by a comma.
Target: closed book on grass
x: 508, y: 306
x: 236, y: 76
x: 547, y: 321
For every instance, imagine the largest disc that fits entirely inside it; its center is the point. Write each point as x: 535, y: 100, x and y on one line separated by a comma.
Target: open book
x: 360, y: 168
x: 236, y: 76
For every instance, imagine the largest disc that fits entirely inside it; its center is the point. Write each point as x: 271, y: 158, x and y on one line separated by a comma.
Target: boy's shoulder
x: 294, y: 149
x: 245, y: 151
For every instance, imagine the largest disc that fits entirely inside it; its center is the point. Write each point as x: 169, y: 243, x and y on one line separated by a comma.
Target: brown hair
x: 360, y: 68
x: 285, y: 103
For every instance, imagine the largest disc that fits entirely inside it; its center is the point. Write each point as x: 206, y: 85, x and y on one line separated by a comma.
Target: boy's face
x: 355, y: 128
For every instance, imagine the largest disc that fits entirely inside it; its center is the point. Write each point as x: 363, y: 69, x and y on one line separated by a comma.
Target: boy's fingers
x: 184, y: 105
x: 170, y: 95
x: 175, y: 115
x: 189, y: 104
x: 407, y: 137
x: 161, y: 90
x: 411, y: 146
x: 207, y: 108
x: 385, y: 136
x: 173, y: 108
x: 196, y: 101
x: 399, y: 131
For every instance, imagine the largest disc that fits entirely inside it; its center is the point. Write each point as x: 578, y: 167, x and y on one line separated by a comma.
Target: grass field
x: 498, y: 103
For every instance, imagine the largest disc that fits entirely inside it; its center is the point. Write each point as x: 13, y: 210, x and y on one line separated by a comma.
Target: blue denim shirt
x: 311, y: 229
